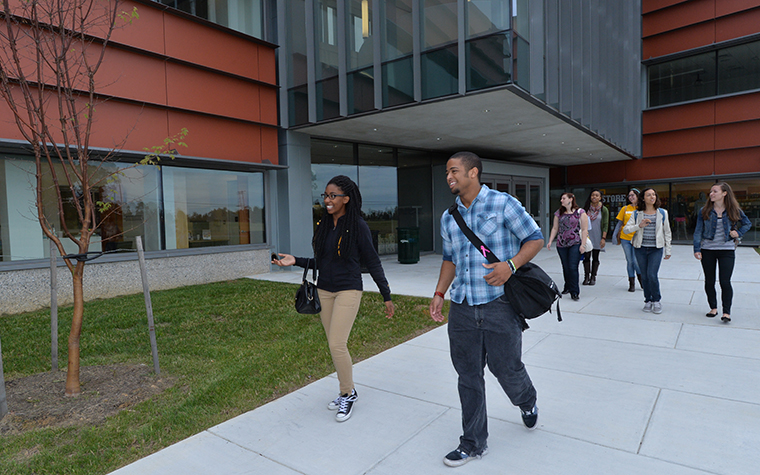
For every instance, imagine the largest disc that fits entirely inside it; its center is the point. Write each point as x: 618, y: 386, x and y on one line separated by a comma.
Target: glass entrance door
x: 527, y: 190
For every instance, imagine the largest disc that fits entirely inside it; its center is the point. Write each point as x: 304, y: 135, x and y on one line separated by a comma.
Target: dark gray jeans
x: 479, y: 335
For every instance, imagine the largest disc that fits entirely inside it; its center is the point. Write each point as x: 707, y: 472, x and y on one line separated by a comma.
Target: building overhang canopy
x: 504, y: 124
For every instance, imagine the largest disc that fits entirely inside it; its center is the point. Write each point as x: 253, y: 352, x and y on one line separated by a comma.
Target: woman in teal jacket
x: 720, y: 225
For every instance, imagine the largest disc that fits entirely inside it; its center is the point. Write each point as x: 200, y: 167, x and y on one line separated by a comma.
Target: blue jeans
x: 570, y: 257
x: 649, y: 259
x: 486, y: 334
x: 630, y: 258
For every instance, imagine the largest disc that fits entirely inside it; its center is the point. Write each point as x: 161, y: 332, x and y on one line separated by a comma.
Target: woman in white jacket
x: 652, y: 239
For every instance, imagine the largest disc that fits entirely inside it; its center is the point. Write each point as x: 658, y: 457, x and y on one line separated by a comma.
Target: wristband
x: 512, y: 266
x: 439, y: 294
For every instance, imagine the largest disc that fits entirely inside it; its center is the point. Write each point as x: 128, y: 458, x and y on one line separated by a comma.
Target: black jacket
x: 339, y: 273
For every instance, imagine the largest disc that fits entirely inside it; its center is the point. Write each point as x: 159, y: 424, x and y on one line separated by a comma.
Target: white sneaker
x: 334, y: 404
x: 657, y: 307
x: 647, y: 307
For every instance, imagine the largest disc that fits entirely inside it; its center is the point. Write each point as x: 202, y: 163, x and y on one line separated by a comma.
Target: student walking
x: 341, y: 241
x: 625, y: 239
x: 650, y: 227
x: 483, y: 327
x: 571, y: 229
x: 599, y: 222
x: 720, y: 224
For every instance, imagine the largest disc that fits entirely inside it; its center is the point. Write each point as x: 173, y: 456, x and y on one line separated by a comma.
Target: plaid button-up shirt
x: 502, y: 223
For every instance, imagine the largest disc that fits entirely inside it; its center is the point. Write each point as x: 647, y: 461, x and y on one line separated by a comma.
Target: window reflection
x: 326, y: 26
x: 240, y: 15
x: 488, y: 62
x: 440, y: 72
x: 398, y: 28
x: 439, y: 26
x: 486, y: 16
x: 206, y: 208
x: 360, y: 37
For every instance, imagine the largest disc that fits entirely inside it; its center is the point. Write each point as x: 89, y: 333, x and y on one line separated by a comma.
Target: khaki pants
x: 339, y: 311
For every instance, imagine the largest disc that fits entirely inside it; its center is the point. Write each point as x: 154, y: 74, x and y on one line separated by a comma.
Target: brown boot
x: 631, y: 284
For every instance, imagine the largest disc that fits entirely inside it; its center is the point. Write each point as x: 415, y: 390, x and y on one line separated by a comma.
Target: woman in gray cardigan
x: 651, y: 241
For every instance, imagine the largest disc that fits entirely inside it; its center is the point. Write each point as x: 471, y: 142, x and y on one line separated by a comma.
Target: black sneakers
x: 345, y: 405
x: 459, y: 457
x: 530, y: 418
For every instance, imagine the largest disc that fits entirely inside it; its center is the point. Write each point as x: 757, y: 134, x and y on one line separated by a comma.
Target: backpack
x: 530, y: 290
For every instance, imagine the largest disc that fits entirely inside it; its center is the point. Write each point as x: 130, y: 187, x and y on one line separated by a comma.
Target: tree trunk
x: 72, y: 375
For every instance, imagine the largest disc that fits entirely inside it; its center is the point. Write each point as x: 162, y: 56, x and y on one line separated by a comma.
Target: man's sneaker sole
x: 457, y: 458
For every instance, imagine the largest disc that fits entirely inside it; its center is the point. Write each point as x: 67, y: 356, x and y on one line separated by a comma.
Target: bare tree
x: 51, y: 53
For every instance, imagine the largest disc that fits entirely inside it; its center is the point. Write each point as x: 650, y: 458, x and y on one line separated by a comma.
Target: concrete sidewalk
x: 620, y: 391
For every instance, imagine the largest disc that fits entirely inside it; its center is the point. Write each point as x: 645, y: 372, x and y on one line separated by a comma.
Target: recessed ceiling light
x: 577, y: 148
x: 375, y: 130
x: 486, y: 110
x: 543, y: 135
x: 563, y: 143
x: 438, y: 138
x: 518, y: 123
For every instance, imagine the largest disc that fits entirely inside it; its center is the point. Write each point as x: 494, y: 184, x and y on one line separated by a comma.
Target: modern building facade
x: 281, y: 95
x: 701, y: 112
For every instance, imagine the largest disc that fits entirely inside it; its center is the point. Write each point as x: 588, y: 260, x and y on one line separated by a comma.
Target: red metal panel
x: 139, y: 127
x: 743, y: 160
x: 694, y: 36
x: 734, y: 6
x: 267, y: 65
x: 203, y: 91
x: 737, y: 135
x: 648, y: 6
x: 268, y: 105
x: 678, y: 16
x: 608, y: 172
x: 220, y: 138
x: 132, y: 76
x: 146, y: 32
x: 679, y: 142
x: 737, y: 108
x: 269, y: 145
x: 680, y: 166
x: 199, y: 44
x: 736, y: 26
x: 687, y: 116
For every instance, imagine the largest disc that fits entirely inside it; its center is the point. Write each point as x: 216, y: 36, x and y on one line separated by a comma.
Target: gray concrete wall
x: 29, y: 289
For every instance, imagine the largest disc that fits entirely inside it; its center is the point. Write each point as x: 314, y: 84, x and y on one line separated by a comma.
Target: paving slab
x: 718, y: 435
x: 620, y: 391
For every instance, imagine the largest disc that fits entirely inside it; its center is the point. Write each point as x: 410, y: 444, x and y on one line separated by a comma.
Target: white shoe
x: 657, y: 307
x: 647, y: 307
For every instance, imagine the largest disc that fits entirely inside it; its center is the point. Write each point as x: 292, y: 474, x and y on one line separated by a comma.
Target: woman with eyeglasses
x: 625, y: 239
x: 341, y: 241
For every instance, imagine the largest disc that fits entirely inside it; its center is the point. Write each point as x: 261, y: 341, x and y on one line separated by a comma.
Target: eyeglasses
x: 332, y: 196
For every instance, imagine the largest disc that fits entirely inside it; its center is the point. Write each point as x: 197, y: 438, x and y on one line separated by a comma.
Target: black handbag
x: 530, y: 290
x: 307, y: 299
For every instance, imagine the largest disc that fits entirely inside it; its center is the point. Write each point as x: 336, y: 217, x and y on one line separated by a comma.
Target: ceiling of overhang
x: 499, y: 125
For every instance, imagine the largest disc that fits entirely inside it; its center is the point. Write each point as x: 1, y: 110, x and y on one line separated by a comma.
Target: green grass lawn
x: 231, y: 346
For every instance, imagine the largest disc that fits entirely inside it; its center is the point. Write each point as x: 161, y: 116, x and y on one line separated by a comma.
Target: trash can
x: 408, y: 245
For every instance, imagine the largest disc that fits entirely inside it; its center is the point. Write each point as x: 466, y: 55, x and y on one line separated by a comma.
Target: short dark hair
x: 469, y: 160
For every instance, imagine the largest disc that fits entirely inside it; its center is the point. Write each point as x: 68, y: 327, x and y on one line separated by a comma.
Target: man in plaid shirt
x: 483, y: 328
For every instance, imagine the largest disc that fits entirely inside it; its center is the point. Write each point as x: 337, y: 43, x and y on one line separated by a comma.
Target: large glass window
x: 723, y: 71
x: 326, y: 26
x: 398, y: 82
x: 360, y: 37
x: 682, y: 80
x: 240, y: 15
x: 439, y: 23
x: 489, y: 61
x: 398, y: 29
x: 377, y: 181
x: 487, y: 16
x: 415, y: 194
x: 298, y: 98
x: 361, y: 91
x: 206, y: 208
x: 440, y: 73
x: 739, y: 68
x: 328, y: 99
x: 131, y: 208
